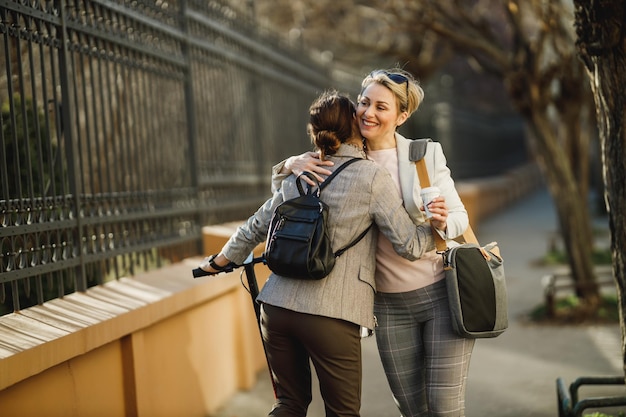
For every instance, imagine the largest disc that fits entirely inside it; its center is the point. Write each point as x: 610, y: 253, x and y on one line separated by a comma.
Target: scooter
x: 252, y: 289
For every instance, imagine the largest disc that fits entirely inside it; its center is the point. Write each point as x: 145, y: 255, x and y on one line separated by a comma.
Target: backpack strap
x: 309, y: 189
x: 317, y: 185
x: 338, y: 170
x: 354, y: 242
x: 322, y: 185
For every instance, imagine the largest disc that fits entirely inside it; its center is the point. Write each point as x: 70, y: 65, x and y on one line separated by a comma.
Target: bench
x: 561, y: 281
x: 569, y: 404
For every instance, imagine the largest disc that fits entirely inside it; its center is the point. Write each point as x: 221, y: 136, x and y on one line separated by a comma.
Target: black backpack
x: 297, y: 244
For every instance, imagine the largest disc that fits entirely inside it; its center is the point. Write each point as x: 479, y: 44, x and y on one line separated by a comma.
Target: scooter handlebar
x: 199, y: 272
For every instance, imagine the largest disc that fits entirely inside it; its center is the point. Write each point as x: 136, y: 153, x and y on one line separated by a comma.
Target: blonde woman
x: 320, y: 320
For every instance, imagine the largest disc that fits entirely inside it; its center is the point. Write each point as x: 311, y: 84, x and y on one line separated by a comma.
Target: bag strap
x: 422, y: 173
x: 317, y: 185
x: 338, y: 170
x: 417, y: 149
x: 309, y: 189
x: 322, y: 185
x: 354, y: 242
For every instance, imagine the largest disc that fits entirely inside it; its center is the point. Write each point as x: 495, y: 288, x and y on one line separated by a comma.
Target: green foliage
x: 34, y: 169
x: 598, y: 414
x: 568, y: 309
x: 30, y: 150
x: 559, y: 257
x: 556, y: 254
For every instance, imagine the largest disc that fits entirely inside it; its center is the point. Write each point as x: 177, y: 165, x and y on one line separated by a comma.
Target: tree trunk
x: 571, y: 205
x: 549, y: 139
x: 601, y: 30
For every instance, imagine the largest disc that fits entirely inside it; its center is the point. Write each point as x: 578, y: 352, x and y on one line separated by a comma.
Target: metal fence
x: 127, y: 126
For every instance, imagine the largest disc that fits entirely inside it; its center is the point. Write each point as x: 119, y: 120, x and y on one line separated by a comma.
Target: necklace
x: 359, y: 147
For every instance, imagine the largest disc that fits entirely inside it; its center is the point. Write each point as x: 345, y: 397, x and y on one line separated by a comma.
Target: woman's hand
x: 439, y: 210
x: 308, y: 161
x: 219, y: 261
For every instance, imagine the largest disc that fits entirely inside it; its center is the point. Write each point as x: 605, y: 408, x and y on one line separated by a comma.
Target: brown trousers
x: 294, y: 340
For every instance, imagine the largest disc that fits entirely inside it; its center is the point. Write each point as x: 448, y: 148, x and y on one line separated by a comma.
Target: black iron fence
x: 127, y: 126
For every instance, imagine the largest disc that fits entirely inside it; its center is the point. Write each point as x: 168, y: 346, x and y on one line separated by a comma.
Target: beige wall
x: 77, y: 387
x: 160, y: 344
x: 163, y: 343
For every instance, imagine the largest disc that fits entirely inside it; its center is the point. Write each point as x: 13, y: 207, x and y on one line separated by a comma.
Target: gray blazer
x: 362, y: 194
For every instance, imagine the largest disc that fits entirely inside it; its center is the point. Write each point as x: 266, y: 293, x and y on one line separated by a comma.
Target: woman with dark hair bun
x: 320, y: 321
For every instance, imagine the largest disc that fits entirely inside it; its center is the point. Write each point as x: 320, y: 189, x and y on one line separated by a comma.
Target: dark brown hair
x: 331, y: 122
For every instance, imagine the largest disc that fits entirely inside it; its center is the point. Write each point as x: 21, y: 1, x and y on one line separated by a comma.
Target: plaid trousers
x: 425, y: 362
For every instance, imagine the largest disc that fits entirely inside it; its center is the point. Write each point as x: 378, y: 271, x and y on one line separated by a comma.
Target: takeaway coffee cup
x: 428, y: 194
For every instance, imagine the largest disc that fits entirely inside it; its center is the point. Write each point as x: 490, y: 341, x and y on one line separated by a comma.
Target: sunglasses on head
x: 397, y: 78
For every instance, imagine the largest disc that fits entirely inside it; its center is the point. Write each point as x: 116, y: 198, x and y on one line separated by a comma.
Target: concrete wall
x: 484, y: 197
x: 161, y: 344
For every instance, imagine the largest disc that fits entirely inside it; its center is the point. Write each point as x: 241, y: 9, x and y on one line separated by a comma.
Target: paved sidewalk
x: 510, y: 376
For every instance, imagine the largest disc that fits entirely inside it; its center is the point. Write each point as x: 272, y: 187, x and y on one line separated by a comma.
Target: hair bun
x: 328, y: 141
x: 330, y: 122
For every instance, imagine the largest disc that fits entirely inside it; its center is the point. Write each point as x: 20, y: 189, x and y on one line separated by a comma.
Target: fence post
x: 72, y: 154
x: 192, y: 130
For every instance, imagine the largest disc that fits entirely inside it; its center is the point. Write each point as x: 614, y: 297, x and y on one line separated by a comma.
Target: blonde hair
x: 409, y: 94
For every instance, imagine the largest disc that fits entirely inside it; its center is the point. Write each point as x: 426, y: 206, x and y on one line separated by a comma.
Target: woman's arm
x: 308, y: 161
x: 245, y: 239
x: 387, y: 208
